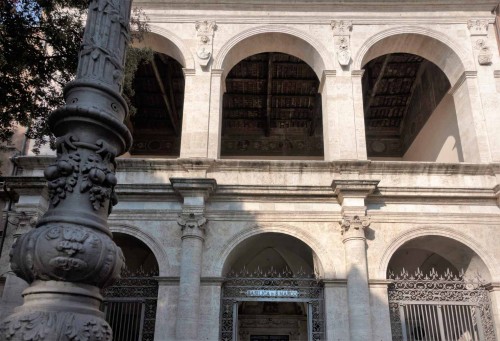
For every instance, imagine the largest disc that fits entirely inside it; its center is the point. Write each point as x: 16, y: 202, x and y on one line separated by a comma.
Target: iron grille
x: 444, y: 307
x: 130, y: 306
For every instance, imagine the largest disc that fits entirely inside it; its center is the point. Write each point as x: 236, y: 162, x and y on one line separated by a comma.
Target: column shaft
x: 189, y: 288
x: 358, y: 296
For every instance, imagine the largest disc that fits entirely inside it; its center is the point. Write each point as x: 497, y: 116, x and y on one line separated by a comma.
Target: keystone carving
x: 204, y: 34
x: 341, y: 35
x: 354, y: 226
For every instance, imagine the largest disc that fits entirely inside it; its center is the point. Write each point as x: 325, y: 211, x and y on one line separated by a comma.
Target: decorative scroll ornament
x: 354, y: 225
x: 204, y: 34
x: 341, y: 35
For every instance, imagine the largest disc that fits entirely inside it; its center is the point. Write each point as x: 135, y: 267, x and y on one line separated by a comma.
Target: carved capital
x: 21, y: 222
x: 478, y: 27
x: 354, y: 226
x: 341, y: 27
x: 192, y: 218
x: 205, y: 31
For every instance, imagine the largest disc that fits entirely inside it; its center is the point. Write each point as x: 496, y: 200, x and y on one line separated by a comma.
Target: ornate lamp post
x: 71, y: 255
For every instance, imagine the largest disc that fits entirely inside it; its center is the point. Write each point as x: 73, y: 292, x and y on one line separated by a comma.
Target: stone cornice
x: 193, y: 187
x: 179, y: 166
x: 322, y: 5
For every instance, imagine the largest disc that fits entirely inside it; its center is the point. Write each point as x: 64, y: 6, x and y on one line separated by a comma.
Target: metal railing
x: 126, y: 317
x: 439, y: 307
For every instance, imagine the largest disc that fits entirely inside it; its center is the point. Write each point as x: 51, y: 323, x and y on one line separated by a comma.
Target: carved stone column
x: 351, y: 195
x: 70, y: 254
x: 192, y: 220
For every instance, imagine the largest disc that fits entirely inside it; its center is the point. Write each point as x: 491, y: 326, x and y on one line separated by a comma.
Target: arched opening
x: 437, y: 291
x: 272, y: 109
x: 438, y: 253
x: 156, y: 125
x: 271, y: 291
x: 130, y: 303
x: 409, y: 113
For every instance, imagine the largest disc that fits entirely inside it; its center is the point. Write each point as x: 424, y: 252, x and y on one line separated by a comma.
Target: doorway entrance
x: 271, y: 305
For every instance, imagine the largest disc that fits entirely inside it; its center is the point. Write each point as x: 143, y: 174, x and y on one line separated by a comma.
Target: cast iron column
x: 70, y: 254
x: 192, y: 220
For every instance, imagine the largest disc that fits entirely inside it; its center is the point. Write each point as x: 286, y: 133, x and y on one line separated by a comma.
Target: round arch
x: 326, y: 265
x: 427, y: 231
x: 164, y: 41
x: 151, y: 243
x: 273, y: 39
x: 431, y: 45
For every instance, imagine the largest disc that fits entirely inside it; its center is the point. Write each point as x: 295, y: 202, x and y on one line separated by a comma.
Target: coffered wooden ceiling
x: 271, y: 107
x: 400, y: 93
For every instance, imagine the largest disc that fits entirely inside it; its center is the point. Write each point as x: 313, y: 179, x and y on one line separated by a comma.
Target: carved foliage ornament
x: 66, y: 253
x: 479, y: 28
x: 484, y: 56
x: 191, y: 220
x: 341, y: 33
x: 90, y: 165
x: 39, y: 326
x: 204, y: 34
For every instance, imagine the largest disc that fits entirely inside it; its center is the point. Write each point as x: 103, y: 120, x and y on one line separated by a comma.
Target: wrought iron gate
x: 439, y: 307
x: 130, y: 306
x: 275, y: 286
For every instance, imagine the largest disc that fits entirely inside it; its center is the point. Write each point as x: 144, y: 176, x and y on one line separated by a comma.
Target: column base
x: 57, y: 311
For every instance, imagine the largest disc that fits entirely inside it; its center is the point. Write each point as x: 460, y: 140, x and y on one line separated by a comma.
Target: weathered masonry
x: 306, y: 170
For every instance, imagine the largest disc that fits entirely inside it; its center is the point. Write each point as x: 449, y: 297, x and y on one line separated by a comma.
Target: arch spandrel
x: 155, y: 247
x: 275, y: 38
x: 434, y: 46
x: 163, y: 41
x: 328, y: 267
x: 426, y: 231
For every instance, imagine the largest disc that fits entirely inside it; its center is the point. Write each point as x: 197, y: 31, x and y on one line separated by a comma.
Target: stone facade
x: 196, y: 212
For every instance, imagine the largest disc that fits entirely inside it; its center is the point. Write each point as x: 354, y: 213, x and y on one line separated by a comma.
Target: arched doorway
x: 272, y: 109
x: 438, y: 293
x: 130, y: 303
x: 271, y: 291
x: 409, y: 114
